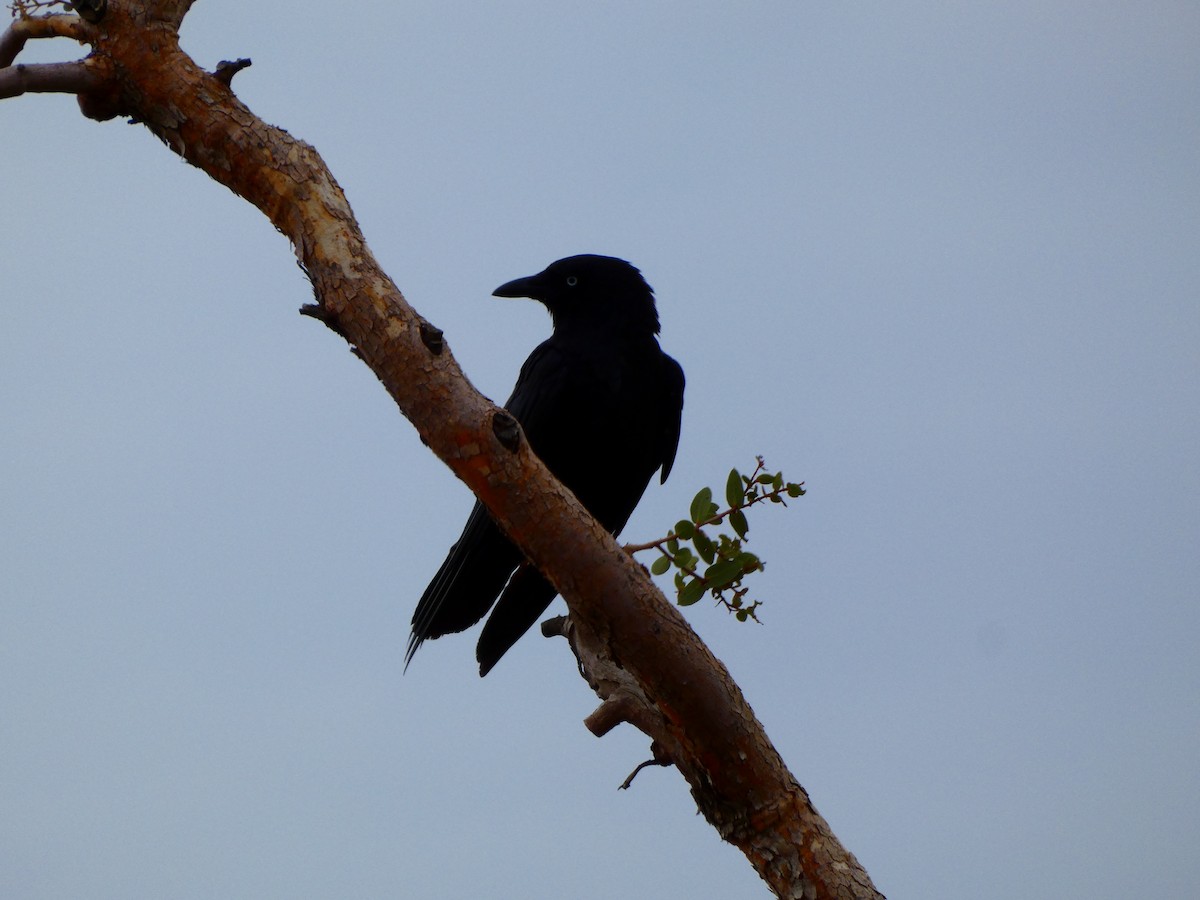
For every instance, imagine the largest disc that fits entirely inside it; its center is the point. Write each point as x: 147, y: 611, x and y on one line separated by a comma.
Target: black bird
x: 600, y: 403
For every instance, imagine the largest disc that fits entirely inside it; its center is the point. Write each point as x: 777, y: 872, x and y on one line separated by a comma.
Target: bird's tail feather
x: 461, y: 594
x: 524, y: 600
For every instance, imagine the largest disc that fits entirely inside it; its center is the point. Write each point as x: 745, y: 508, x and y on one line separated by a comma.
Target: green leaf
x: 660, y: 566
x: 704, y: 546
x: 738, y: 520
x: 727, y: 546
x: 722, y: 574
x: 734, y: 492
x: 672, y: 546
x: 700, y: 505
x: 684, y: 530
x: 748, y: 562
x: 691, y: 592
x: 795, y: 490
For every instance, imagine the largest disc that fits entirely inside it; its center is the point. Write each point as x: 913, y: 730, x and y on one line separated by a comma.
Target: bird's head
x: 592, y: 291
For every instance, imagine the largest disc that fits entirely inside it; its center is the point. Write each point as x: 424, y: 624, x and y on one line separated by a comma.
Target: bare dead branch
x: 555, y: 627
x: 12, y: 42
x: 614, y: 711
x: 47, y: 78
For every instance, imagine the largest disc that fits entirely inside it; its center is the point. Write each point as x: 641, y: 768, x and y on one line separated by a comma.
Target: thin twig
x: 660, y: 759
x: 658, y: 542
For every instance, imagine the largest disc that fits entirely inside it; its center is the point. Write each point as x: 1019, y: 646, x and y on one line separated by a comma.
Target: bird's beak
x: 529, y: 286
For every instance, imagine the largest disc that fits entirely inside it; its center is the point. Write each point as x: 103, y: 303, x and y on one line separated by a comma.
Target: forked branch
x: 43, y: 78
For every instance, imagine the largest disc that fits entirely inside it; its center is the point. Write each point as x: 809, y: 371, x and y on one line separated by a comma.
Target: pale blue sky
x: 940, y: 261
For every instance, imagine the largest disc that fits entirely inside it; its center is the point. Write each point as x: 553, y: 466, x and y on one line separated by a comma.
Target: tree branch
x: 635, y: 648
x: 12, y: 42
x: 47, y: 78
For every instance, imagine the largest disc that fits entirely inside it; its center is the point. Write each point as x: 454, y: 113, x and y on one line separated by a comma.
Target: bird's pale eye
x: 572, y: 281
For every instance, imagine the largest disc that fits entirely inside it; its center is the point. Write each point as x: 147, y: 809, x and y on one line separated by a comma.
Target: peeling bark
x: 635, y: 648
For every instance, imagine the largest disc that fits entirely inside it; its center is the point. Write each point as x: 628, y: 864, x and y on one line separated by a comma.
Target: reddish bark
x: 637, y: 651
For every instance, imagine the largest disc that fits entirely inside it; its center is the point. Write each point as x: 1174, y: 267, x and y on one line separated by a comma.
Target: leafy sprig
x: 24, y: 9
x: 717, y: 563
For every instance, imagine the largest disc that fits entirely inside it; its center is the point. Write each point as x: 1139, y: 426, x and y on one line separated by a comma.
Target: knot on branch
x: 226, y: 69
x: 507, y: 430
x: 90, y: 10
x: 432, y: 338
x: 322, y: 313
x: 562, y: 626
